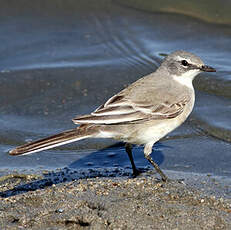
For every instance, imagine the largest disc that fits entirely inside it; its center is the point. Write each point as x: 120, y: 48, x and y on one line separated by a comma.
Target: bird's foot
x: 137, y: 172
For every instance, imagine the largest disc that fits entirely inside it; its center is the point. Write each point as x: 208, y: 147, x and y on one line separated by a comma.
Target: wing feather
x: 119, y: 109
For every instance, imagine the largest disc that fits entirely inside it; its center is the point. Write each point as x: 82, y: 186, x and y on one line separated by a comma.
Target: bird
x: 140, y: 114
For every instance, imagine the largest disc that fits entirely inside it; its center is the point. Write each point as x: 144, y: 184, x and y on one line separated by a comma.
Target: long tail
x: 52, y: 141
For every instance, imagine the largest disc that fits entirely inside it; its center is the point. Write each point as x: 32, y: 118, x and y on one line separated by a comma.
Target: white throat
x: 187, y: 78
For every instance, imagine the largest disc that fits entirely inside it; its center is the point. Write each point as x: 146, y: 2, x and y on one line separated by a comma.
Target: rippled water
x: 63, y: 58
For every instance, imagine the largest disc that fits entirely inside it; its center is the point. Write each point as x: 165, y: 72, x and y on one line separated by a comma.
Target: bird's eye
x: 184, y: 63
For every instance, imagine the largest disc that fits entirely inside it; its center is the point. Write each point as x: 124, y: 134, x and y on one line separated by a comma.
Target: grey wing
x: 119, y: 109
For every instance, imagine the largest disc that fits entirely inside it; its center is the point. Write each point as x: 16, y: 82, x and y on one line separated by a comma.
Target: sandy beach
x: 29, y: 201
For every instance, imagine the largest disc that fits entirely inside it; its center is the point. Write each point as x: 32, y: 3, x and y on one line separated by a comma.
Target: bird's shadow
x: 111, y: 162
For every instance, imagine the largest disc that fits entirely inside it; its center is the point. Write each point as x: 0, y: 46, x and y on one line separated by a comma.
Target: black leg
x: 155, y: 165
x: 128, y: 148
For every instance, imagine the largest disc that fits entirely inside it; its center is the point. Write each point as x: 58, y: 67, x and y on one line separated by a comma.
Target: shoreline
x: 113, y: 200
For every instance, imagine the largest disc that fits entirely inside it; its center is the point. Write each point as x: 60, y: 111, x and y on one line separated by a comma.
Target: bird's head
x: 182, y: 64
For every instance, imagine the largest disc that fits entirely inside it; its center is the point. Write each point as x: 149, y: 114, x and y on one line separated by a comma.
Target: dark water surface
x: 62, y: 58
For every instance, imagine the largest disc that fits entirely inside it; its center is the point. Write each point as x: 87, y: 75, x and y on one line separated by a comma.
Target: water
x: 60, y: 59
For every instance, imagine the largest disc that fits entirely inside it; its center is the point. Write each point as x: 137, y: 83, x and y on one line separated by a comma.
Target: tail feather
x: 50, y: 142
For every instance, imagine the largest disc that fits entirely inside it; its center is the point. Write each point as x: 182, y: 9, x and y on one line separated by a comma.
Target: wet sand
x: 120, y: 202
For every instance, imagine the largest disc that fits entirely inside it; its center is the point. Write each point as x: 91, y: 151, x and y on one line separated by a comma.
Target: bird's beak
x: 206, y: 68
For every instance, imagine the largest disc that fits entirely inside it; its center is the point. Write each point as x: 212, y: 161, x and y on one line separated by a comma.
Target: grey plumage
x: 142, y: 113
